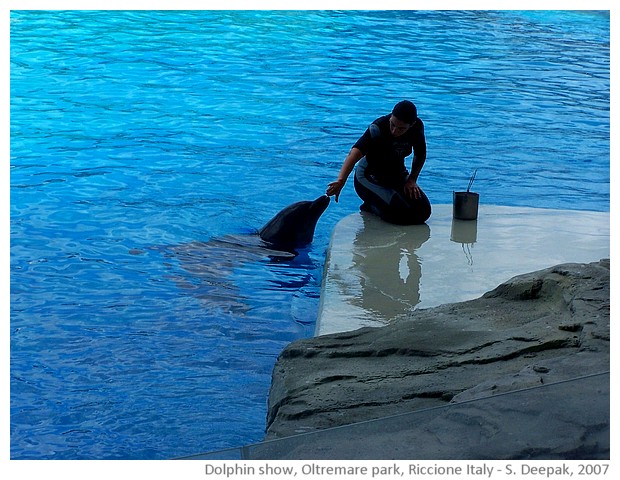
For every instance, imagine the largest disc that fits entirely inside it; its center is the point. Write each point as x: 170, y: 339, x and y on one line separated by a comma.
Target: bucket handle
x: 471, y: 180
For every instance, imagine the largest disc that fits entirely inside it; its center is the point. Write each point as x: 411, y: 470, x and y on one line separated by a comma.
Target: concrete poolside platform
x: 376, y: 272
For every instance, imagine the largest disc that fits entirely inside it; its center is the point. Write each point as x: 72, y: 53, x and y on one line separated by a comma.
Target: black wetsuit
x: 381, y: 175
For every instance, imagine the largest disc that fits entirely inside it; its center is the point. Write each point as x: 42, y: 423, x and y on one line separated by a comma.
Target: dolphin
x: 293, y: 227
x: 207, y: 267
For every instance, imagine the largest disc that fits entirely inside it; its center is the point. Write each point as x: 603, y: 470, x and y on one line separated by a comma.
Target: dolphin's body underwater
x: 291, y: 228
x: 210, y: 263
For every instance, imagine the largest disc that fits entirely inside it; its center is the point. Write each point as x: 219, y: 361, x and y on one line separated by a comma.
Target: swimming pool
x: 135, y: 133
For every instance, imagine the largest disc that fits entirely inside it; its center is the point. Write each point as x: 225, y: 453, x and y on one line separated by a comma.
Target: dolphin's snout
x: 321, y: 203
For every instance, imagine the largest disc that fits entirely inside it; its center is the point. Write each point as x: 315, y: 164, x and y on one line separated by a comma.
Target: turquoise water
x: 136, y: 133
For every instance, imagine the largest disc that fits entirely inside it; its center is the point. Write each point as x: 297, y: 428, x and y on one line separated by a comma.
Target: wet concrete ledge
x: 376, y: 273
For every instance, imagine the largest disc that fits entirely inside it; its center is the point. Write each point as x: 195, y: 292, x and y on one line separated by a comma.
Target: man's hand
x: 334, y: 188
x: 412, y: 190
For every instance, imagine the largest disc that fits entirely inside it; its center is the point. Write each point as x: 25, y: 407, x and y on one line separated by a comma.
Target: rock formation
x: 536, y: 329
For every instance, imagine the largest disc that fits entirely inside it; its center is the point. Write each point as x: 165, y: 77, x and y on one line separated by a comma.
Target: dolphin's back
x: 283, y: 229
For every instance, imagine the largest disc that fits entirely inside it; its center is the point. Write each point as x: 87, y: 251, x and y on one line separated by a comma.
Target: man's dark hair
x: 405, y: 111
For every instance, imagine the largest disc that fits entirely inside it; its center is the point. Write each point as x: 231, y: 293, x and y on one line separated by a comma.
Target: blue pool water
x: 136, y: 133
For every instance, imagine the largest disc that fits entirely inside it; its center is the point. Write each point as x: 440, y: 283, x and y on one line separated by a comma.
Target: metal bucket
x: 465, y: 205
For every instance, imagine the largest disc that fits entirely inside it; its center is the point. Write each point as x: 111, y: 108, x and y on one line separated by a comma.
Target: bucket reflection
x: 465, y: 232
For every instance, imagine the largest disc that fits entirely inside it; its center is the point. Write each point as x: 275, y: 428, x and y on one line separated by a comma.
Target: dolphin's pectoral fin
x: 278, y: 254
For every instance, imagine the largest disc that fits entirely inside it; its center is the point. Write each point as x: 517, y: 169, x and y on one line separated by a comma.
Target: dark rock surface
x: 536, y: 329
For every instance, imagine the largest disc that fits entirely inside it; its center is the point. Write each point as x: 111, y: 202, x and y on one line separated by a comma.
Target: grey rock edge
x: 536, y: 329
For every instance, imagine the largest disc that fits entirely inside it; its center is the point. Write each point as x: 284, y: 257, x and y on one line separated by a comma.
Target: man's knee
x: 408, y: 212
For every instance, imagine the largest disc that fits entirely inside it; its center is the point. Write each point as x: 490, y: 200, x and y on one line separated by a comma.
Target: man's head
x: 404, y: 116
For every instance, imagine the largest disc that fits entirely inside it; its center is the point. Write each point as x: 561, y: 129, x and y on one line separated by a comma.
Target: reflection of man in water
x: 390, y: 270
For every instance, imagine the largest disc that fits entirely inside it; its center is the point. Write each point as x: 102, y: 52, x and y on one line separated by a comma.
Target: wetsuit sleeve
x: 364, y: 142
x: 419, y: 145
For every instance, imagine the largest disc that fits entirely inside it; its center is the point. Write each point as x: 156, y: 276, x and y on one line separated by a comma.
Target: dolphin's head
x: 294, y: 226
